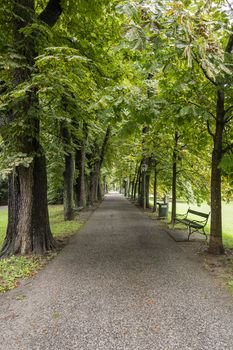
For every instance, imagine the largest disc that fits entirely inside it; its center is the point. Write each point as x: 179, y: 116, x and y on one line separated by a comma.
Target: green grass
x: 59, y: 227
x: 15, y: 268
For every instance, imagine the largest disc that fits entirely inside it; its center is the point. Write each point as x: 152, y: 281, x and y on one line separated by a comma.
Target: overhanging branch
x: 227, y: 120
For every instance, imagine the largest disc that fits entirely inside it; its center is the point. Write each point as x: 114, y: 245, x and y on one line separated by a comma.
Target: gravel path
x: 121, y: 284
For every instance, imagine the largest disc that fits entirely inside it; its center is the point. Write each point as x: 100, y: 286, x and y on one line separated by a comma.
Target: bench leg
x: 205, y: 234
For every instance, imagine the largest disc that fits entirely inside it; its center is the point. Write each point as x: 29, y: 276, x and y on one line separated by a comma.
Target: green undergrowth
x: 15, y: 268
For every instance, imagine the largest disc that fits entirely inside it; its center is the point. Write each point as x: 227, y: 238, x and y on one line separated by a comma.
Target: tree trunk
x: 125, y: 188
x: 68, y: 188
x: 129, y: 187
x: 94, y: 182
x: 68, y: 175
x: 147, y: 194
x: 155, y: 188
x: 132, y: 189
x: 28, y: 232
x: 100, y: 194
x: 13, y: 212
x: 139, y: 187
x: 80, y: 188
x: 136, y: 186
x: 28, y: 228
x: 174, y: 178
x: 216, y: 244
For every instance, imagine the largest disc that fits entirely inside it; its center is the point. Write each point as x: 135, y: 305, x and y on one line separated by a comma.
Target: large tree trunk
x: 28, y: 228
x: 215, y: 244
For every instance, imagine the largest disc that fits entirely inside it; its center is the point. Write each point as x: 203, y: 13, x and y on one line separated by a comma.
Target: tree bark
x: 132, y: 189
x: 68, y: 188
x: 100, y: 194
x: 68, y: 176
x: 215, y: 243
x: 28, y: 229
x: 147, y: 190
x: 80, y: 187
x: 80, y: 161
x: 155, y: 186
x: 174, y: 177
x: 139, y: 187
x: 94, y: 181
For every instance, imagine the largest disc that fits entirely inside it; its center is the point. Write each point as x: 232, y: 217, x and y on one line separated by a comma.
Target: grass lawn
x: 14, y: 268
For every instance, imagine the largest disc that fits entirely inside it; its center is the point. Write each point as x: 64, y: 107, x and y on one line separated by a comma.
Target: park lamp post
x: 144, y: 168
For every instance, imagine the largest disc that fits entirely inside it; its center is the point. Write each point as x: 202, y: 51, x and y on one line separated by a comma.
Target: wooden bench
x: 193, y: 225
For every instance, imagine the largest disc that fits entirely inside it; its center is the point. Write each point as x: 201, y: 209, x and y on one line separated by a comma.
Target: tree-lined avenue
x: 121, y: 283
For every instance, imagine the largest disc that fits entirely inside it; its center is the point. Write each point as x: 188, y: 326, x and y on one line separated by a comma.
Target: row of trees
x: 77, y: 80
x: 186, y: 109
x: 56, y: 62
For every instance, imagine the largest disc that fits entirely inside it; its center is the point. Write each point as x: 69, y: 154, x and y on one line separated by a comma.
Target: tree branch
x: 199, y: 106
x: 51, y: 13
x: 205, y: 73
x: 227, y: 120
x: 229, y: 4
x: 228, y: 148
x: 228, y: 109
x: 209, y: 130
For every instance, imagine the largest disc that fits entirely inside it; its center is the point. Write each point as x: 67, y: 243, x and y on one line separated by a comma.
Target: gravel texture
x: 120, y: 284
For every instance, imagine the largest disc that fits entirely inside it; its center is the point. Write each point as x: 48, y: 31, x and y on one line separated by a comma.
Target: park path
x: 120, y: 284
